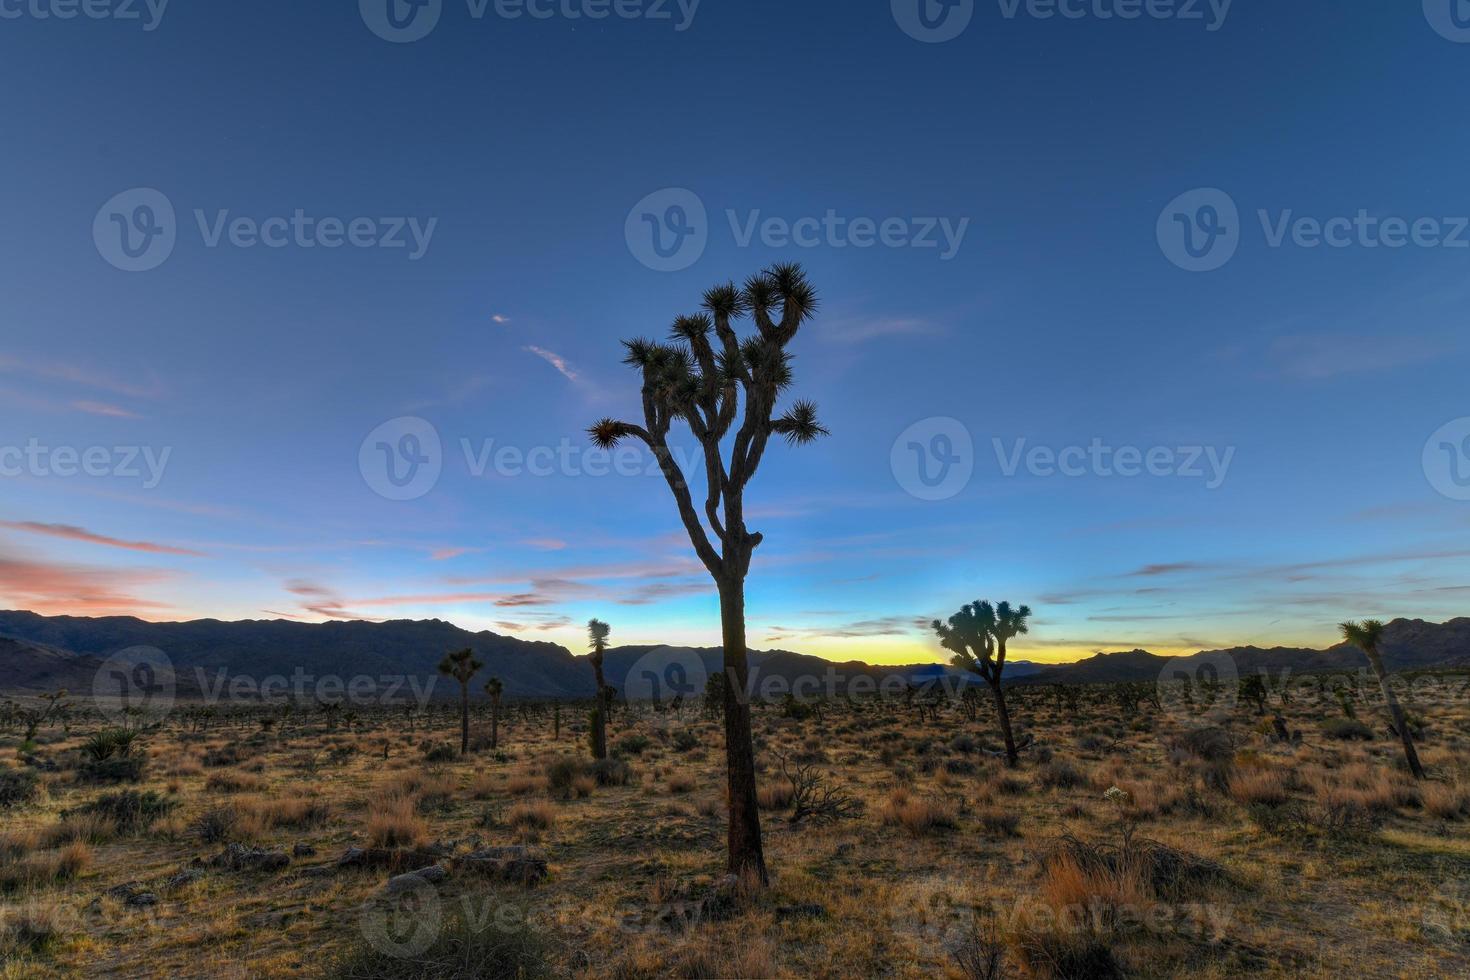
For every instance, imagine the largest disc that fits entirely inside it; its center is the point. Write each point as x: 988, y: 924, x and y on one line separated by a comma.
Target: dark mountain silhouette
x: 1409, y: 644
x: 42, y: 653
x: 204, y: 652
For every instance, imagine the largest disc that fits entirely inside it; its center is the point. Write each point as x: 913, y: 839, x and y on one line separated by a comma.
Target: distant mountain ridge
x: 205, y: 651
x: 40, y: 653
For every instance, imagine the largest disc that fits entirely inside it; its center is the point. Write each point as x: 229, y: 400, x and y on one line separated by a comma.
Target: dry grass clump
x: 394, y: 821
x: 1264, y: 787
x: 42, y: 869
x: 919, y: 814
x: 681, y: 782
x: 525, y: 784
x: 234, y: 782
x: 775, y: 794
x: 260, y: 815
x: 30, y: 929
x: 1445, y: 801
x: 531, y: 817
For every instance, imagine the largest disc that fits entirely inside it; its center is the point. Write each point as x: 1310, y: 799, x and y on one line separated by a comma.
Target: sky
x: 1155, y: 323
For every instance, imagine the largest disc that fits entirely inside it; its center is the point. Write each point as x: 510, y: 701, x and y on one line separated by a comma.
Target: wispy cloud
x: 554, y: 359
x: 500, y: 318
x: 73, y: 533
x: 79, y: 375
x: 104, y: 409
x: 61, y: 589
x: 1321, y: 356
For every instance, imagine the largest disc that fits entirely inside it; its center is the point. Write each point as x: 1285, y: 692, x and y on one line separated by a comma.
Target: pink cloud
x: 73, y: 533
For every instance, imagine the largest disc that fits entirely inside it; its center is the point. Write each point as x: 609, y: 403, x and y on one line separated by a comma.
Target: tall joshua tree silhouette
x: 708, y: 378
x: 597, y: 634
x: 977, y: 635
x: 1366, y: 636
x: 495, y: 687
x: 461, y: 665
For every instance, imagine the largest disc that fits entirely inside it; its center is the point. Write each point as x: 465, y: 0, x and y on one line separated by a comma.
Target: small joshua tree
x: 1366, y: 636
x: 597, y: 634
x: 495, y: 688
x: 709, y: 378
x: 461, y: 665
x: 977, y: 636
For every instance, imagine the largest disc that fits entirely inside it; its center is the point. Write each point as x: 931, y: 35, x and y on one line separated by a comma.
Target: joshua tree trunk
x: 1005, y: 725
x: 599, y: 716
x: 746, y: 854
x: 495, y: 723
x: 464, y: 719
x: 556, y: 722
x: 1396, y: 713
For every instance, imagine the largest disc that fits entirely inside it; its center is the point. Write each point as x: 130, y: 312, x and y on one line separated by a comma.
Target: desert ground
x: 1137, y: 837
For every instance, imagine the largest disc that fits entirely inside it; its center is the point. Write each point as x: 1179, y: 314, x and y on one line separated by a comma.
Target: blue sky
x: 520, y: 148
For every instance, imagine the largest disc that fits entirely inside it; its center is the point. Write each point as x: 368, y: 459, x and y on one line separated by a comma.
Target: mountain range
x: 44, y: 653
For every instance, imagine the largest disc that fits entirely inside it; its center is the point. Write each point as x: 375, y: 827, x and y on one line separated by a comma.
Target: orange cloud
x: 73, y: 533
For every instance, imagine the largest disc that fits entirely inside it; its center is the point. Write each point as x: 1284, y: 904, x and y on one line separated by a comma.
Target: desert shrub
x: 774, y: 794
x: 998, y: 821
x: 963, y: 742
x: 959, y: 767
x: 1445, y: 802
x: 440, y: 752
x: 631, y: 745
x: 796, y: 710
x: 464, y: 949
x: 685, y: 740
x: 1060, y: 775
x: 215, y: 826
x: 130, y: 811
x: 612, y: 772
x: 18, y: 786
x: 1347, y: 730
x: 225, y: 755
x: 1263, y: 787
x: 1213, y: 745
x: 917, y: 814
x: 531, y: 816
x: 681, y: 782
x: 30, y: 930
x: 111, y: 743
x: 117, y: 769
x: 394, y: 821
x: 232, y: 782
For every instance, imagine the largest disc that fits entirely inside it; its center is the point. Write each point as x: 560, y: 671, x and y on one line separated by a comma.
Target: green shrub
x: 440, y: 753
x: 631, y: 745
x: 490, y: 946
x: 18, y: 786
x: 1347, y: 729
x: 131, y: 810
x: 685, y: 740
x: 123, y: 769
x: 612, y: 772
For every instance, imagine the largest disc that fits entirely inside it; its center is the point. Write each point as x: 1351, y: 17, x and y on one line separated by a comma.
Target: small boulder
x: 303, y: 851
x: 432, y: 875
x: 517, y: 863
x: 238, y: 857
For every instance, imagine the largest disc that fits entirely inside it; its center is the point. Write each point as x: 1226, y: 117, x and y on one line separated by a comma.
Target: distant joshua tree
x: 1366, y: 636
x: 977, y: 636
x: 597, y: 634
x: 462, y: 665
x: 495, y: 688
x: 708, y: 377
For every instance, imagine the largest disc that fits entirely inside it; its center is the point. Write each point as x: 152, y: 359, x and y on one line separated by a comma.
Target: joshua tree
x: 597, y: 634
x: 701, y: 378
x: 977, y: 636
x: 462, y: 665
x: 494, y: 687
x: 1366, y: 637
